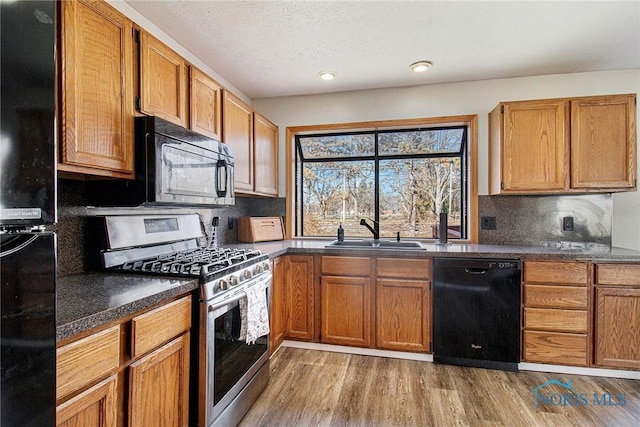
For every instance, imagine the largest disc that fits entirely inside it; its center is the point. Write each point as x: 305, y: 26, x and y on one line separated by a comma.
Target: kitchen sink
x: 375, y: 244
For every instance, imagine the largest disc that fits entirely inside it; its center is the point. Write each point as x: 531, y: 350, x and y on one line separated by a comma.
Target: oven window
x: 232, y: 357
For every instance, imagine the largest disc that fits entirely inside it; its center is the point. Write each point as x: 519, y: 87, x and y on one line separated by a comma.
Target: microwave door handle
x: 222, y: 178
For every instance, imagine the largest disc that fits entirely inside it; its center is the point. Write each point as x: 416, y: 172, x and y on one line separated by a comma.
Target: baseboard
x: 523, y: 366
x: 358, y: 350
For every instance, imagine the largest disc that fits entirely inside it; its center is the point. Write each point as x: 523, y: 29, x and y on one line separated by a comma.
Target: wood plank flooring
x: 317, y: 388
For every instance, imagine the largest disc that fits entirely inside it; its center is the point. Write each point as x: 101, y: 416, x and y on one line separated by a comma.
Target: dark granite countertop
x: 92, y: 299
x: 85, y: 301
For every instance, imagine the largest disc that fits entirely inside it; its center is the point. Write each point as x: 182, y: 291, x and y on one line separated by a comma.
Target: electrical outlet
x: 230, y: 223
x: 567, y: 223
x: 488, y: 223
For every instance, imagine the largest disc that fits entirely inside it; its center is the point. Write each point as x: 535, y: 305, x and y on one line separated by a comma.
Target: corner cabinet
x: 163, y: 81
x: 566, y: 145
x: 277, y: 325
x: 403, y: 295
x: 300, y: 297
x: 96, y: 74
x: 254, y: 141
x: 617, y: 316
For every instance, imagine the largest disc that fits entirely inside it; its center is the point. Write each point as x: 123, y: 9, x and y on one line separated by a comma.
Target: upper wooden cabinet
x: 265, y: 162
x: 97, y: 90
x: 237, y: 132
x: 254, y: 141
x: 163, y: 81
x: 563, y: 145
x: 205, y: 104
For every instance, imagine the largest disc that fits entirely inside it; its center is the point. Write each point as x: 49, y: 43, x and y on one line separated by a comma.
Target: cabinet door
x: 205, y: 110
x: 278, y: 298
x: 403, y: 315
x: 299, y: 302
x: 97, y: 90
x: 159, y: 386
x: 95, y: 407
x: 265, y: 143
x: 346, y: 310
x: 535, y: 154
x: 617, y: 327
x: 603, y: 142
x: 237, y: 132
x: 163, y: 81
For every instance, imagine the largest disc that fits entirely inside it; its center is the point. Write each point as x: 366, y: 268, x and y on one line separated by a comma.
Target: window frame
x: 468, y: 121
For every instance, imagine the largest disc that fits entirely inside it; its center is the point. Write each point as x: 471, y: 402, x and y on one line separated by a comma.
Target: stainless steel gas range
x: 232, y: 370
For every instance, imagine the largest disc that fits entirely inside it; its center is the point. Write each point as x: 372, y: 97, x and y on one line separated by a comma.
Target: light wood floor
x: 317, y: 388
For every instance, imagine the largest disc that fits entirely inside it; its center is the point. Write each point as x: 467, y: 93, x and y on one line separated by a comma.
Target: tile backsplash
x: 77, y: 251
x: 537, y: 220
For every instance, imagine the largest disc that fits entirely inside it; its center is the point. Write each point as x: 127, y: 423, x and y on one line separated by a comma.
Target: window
x: 399, y: 180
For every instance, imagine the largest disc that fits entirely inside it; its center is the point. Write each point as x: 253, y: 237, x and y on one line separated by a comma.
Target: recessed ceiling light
x: 327, y: 75
x: 420, y: 66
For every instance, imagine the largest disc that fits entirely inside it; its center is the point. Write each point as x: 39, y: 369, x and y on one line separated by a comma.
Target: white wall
x: 477, y: 97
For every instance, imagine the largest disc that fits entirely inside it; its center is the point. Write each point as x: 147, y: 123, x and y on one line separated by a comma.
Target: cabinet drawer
x: 86, y: 360
x: 345, y: 266
x: 618, y: 274
x: 575, y: 297
x: 404, y: 268
x: 158, y: 326
x: 558, y: 348
x: 556, y: 272
x: 555, y: 320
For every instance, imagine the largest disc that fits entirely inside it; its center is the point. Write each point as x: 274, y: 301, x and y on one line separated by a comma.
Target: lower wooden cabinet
x: 345, y: 310
x: 94, y: 372
x: 277, y: 325
x: 403, y: 294
x: 556, y: 313
x: 299, y: 291
x: 617, y: 316
x: 96, y: 406
x: 159, y: 386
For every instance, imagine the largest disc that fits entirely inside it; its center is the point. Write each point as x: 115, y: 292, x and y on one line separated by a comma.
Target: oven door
x: 228, y: 363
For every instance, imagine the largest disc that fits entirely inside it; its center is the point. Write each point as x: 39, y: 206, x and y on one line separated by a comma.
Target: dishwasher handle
x: 478, y: 271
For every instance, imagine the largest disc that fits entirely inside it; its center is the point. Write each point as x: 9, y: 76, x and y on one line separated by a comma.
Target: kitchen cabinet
x: 563, y: 145
x: 277, y: 324
x: 617, y: 316
x: 163, y: 81
x: 237, y: 132
x: 345, y: 307
x: 556, y: 313
x: 254, y: 141
x: 96, y: 105
x: 265, y: 163
x: 144, y: 357
x: 205, y: 104
x: 300, y: 298
x: 403, y: 295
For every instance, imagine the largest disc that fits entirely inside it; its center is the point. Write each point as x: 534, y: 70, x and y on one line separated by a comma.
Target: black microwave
x: 173, y: 166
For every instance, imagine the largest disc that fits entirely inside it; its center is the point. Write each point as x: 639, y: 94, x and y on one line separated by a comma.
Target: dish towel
x: 254, y: 314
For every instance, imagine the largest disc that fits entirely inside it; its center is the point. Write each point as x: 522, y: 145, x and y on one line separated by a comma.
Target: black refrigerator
x: 27, y: 206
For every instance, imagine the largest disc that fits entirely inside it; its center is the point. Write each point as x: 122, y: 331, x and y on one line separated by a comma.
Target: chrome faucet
x: 376, y: 233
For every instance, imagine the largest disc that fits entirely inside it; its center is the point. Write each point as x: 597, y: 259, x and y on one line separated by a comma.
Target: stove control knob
x: 266, y: 266
x: 246, y: 275
x: 233, y: 281
x: 223, y: 285
x: 257, y: 269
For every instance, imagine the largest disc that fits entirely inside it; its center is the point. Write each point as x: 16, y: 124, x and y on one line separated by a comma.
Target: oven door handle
x: 216, y: 305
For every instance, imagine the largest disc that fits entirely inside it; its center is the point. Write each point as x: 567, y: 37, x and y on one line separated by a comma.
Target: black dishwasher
x: 476, y: 312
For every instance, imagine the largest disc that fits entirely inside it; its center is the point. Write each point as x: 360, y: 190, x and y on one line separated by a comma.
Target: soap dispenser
x: 340, y: 233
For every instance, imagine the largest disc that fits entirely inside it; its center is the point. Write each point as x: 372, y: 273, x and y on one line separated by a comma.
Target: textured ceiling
x: 276, y: 48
